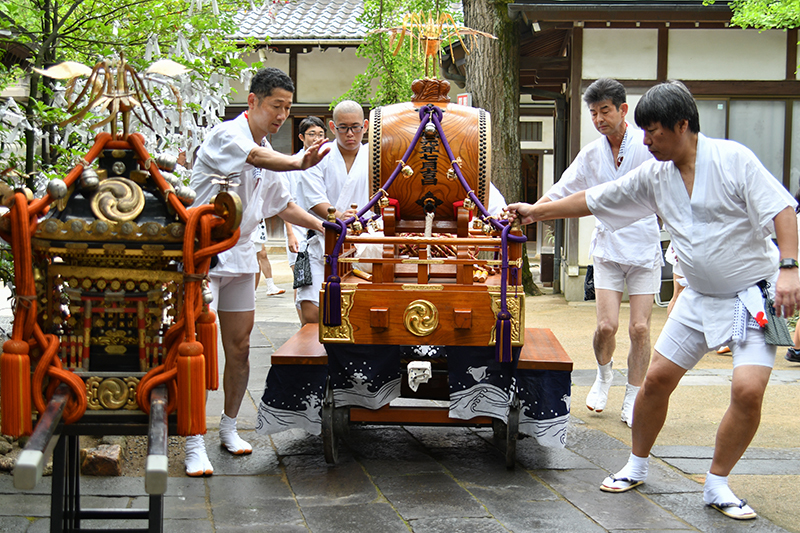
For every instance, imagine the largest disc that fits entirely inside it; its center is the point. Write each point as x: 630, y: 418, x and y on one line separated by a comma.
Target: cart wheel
x: 512, y: 431
x: 499, y: 430
x: 341, y: 422
x: 329, y: 440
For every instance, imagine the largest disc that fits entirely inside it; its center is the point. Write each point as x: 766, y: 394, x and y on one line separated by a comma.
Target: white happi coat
x: 343, y: 188
x: 330, y: 182
x: 721, y: 234
x: 224, y: 153
x: 290, y: 180
x: 638, y: 244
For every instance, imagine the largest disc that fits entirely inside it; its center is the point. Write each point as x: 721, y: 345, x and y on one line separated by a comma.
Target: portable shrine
x: 111, y: 332
x: 428, y: 307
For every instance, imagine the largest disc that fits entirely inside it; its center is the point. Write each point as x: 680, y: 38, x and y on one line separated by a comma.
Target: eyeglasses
x: 313, y: 135
x: 345, y: 129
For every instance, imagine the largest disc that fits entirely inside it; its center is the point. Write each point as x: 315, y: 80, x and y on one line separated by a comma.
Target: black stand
x: 65, y: 501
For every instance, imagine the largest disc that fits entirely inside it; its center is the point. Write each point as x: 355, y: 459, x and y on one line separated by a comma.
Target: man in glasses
x: 347, y: 170
x: 341, y: 180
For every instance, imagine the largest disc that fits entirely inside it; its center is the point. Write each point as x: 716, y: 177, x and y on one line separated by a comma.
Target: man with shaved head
x: 341, y: 180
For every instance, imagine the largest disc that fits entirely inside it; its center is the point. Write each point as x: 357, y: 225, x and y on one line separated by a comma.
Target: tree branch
x: 30, y: 35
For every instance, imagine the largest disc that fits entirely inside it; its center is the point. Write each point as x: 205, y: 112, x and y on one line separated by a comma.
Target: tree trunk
x: 493, y: 79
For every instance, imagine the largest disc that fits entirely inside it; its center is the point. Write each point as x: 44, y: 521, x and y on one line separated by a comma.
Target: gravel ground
x: 136, y: 454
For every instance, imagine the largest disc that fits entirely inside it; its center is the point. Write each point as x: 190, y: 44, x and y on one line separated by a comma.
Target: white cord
x: 429, y: 229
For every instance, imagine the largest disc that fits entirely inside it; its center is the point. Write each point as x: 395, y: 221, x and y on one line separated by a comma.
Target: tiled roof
x: 300, y: 21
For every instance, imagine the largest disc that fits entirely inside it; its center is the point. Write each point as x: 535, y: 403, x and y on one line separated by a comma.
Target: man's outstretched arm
x: 264, y: 157
x: 573, y: 206
x: 296, y: 215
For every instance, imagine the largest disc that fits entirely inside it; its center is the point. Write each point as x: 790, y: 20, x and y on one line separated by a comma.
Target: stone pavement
x: 433, y: 479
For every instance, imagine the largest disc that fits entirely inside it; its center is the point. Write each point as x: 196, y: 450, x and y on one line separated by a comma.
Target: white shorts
x: 233, y: 294
x: 612, y: 276
x: 685, y: 346
x: 310, y: 293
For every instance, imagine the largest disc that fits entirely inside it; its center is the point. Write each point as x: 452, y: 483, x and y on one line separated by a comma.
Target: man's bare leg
x: 266, y: 270
x: 235, y: 329
x: 650, y: 412
x: 741, y: 420
x: 736, y: 431
x: 309, y: 312
x: 639, y: 353
x: 604, y: 343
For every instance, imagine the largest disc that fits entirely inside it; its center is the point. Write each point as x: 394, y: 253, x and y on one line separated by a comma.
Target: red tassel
x: 191, y: 389
x: 332, y: 302
x: 15, y: 385
x: 207, y: 335
x: 502, y: 337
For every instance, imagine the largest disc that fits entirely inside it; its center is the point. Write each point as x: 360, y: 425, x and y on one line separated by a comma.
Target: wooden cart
x: 445, y: 274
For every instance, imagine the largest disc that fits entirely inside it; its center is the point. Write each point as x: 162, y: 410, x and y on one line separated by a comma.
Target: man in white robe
x: 720, y: 206
x: 310, y: 130
x: 342, y: 180
x: 233, y: 150
x: 629, y: 256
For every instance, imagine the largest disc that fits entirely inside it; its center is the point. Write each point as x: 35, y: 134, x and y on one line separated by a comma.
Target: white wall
x: 797, y: 72
x: 323, y: 76
x: 630, y: 54
x: 729, y: 54
x: 272, y: 59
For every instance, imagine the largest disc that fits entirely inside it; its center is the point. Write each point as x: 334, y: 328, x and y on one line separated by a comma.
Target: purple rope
x: 342, y: 226
x: 504, y: 268
x: 424, y: 119
x: 427, y: 114
x: 496, y: 223
x: 333, y: 258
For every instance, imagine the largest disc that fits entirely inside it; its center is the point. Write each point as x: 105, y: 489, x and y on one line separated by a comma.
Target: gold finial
x: 114, y: 85
x: 331, y: 214
x: 429, y: 32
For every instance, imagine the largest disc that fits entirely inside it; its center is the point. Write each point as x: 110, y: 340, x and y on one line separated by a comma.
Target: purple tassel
x: 502, y: 336
x: 332, y: 303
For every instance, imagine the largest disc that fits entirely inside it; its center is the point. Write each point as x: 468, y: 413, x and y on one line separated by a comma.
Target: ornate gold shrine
x: 107, y: 275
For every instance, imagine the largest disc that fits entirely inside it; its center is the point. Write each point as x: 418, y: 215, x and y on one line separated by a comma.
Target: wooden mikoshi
x: 426, y: 289
x: 111, y: 324
x: 443, y: 271
x: 430, y: 176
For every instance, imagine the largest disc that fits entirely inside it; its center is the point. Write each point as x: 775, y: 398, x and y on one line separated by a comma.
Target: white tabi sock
x: 196, y: 460
x: 635, y: 469
x: 627, y: 404
x: 229, y: 437
x: 598, y: 395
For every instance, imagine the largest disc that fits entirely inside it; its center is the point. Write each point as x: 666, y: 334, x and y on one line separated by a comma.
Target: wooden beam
x: 593, y: 14
x: 549, y: 63
x: 772, y: 89
x: 575, y: 89
x: 662, y: 63
x: 293, y: 73
x: 791, y: 54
